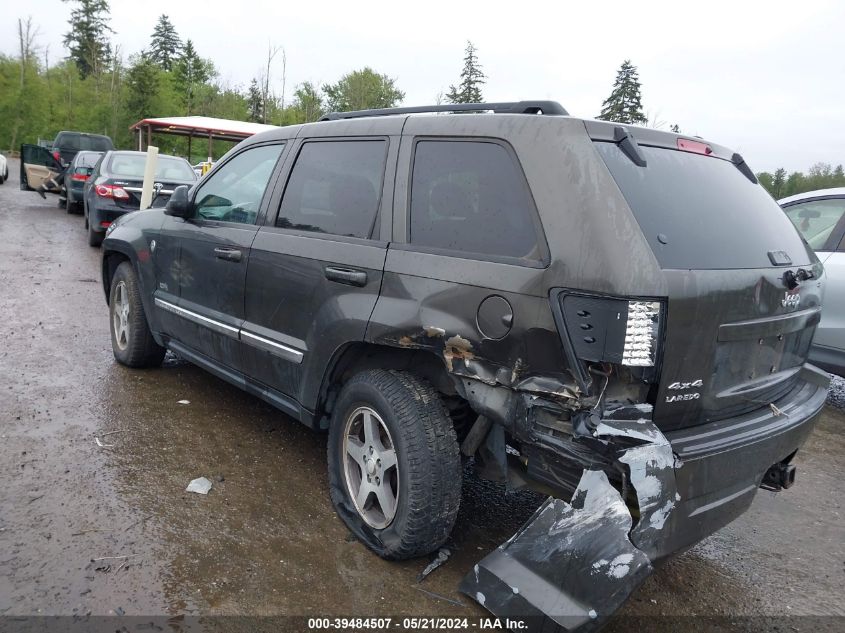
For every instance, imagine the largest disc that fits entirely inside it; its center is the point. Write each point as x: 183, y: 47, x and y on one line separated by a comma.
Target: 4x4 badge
x: 687, y: 385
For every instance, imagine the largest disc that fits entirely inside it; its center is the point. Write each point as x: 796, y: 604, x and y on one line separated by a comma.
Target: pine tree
x: 779, y: 183
x: 142, y: 82
x: 191, y: 71
x: 624, y: 105
x: 165, y: 44
x: 255, y: 102
x: 472, y: 78
x: 87, y: 39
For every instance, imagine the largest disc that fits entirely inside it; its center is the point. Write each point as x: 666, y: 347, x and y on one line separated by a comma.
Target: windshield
x: 168, y: 167
x: 699, y: 212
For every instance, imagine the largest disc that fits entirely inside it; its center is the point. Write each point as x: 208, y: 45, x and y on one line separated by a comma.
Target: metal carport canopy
x: 198, y: 126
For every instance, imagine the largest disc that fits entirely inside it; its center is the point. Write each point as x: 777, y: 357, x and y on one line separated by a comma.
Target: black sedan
x: 114, y: 187
x: 75, y: 178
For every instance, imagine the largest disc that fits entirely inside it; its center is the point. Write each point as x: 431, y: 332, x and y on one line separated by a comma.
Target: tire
x: 131, y: 340
x: 426, y: 478
x: 70, y: 206
x: 95, y: 239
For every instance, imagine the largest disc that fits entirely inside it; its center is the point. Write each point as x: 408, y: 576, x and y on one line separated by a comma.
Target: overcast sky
x: 765, y: 78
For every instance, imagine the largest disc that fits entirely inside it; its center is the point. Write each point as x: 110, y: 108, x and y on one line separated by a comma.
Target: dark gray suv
x: 615, y: 316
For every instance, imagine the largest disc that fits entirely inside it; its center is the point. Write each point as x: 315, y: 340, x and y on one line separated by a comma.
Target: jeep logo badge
x: 790, y: 300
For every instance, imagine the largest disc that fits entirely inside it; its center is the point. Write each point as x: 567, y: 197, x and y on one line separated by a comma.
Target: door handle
x: 346, y: 276
x: 229, y: 254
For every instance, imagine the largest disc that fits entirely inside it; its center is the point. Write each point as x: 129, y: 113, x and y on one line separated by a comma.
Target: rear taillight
x: 111, y: 191
x: 612, y: 330
x: 58, y: 157
x: 79, y: 177
x: 641, y: 331
x: 105, y: 225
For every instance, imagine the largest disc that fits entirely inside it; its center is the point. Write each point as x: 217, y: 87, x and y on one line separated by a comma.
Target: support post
x: 149, y: 177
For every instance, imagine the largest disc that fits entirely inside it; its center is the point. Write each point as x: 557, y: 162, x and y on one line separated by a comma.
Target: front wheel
x: 394, y: 465
x: 131, y: 340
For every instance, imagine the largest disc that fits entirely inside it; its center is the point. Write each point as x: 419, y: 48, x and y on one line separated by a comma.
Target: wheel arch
x: 353, y: 358
x: 112, y: 258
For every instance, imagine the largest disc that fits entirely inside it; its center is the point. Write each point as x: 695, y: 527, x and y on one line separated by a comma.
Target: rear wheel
x: 394, y: 466
x: 131, y: 340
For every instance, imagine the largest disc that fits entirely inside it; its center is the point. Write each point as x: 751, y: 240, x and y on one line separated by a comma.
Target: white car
x: 820, y: 217
x: 4, y: 169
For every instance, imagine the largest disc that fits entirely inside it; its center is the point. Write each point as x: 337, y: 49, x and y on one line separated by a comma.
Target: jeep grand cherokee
x: 616, y: 316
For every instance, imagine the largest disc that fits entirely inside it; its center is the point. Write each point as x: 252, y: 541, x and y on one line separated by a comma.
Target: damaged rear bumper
x: 645, y: 497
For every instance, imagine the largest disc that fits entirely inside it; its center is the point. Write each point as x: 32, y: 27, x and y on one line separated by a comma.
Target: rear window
x: 708, y: 214
x: 83, y: 161
x: 470, y: 197
x: 83, y: 142
x: 168, y: 167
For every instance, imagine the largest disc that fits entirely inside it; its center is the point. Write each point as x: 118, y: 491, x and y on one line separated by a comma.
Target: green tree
x: 190, y: 73
x: 362, y: 90
x: 143, y: 82
x: 255, y: 102
x: 778, y: 183
x: 468, y: 89
x: 624, y: 105
x: 165, y: 43
x: 87, y: 39
x: 307, y: 103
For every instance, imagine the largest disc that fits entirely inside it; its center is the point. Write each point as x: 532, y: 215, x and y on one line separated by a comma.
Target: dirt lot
x: 265, y: 541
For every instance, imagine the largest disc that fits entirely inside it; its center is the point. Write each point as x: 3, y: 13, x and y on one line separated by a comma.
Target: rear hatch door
x: 739, y: 319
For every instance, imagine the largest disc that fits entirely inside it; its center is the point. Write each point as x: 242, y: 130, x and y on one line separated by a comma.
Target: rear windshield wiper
x: 628, y: 145
x: 743, y: 167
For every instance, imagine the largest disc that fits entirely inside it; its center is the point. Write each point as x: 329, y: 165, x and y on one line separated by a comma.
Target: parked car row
x: 101, y: 184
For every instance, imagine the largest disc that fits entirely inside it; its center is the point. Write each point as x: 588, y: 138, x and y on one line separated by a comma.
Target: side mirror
x: 179, y: 205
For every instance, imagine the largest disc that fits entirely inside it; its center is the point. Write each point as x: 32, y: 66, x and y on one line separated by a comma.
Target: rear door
x: 315, y: 269
x: 37, y: 165
x: 212, y: 250
x: 738, y: 328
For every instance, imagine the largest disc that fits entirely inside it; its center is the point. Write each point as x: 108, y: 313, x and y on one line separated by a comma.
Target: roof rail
x: 510, y: 107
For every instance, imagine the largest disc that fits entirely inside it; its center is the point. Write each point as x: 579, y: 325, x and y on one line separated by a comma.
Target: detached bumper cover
x: 573, y: 564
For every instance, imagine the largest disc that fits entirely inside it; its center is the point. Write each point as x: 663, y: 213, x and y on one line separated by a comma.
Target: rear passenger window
x: 471, y: 196
x: 335, y: 188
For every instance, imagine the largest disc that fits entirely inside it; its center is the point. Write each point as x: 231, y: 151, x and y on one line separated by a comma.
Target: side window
x: 816, y: 219
x: 234, y: 193
x: 471, y: 196
x: 335, y: 188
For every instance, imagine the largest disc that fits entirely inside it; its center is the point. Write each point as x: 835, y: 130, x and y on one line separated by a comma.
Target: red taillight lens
x: 79, y: 177
x: 695, y: 147
x: 105, y: 225
x: 110, y: 191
